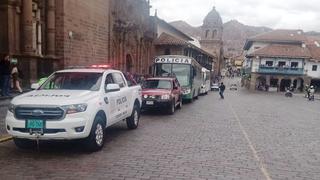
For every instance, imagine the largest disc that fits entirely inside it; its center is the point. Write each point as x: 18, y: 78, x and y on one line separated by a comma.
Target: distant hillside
x: 187, y: 29
x: 234, y: 34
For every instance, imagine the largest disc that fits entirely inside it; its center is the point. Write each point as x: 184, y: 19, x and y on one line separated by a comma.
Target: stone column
x: 27, y: 27
x: 51, y: 28
x: 253, y: 82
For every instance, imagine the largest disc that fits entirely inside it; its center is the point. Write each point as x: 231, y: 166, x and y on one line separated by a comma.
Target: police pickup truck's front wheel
x: 133, y: 120
x: 95, y: 140
x: 24, y: 143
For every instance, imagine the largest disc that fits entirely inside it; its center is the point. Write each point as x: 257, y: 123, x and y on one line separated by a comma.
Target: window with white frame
x: 294, y: 64
x: 282, y: 63
x: 314, y: 67
x: 269, y: 63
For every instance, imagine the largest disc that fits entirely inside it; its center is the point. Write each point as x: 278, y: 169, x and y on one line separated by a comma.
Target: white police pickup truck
x: 74, y: 104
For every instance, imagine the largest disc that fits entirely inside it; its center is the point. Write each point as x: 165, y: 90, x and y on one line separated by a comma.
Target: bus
x: 206, y: 78
x: 186, y: 69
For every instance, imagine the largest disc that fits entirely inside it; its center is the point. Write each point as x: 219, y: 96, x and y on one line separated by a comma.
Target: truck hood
x: 155, y: 91
x: 54, y: 97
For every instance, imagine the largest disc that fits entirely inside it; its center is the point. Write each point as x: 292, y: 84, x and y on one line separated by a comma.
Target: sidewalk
x: 14, y: 94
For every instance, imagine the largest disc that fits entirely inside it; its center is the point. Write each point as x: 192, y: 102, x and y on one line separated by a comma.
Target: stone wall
x: 82, y: 30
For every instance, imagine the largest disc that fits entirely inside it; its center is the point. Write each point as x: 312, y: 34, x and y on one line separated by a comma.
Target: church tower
x: 211, y: 37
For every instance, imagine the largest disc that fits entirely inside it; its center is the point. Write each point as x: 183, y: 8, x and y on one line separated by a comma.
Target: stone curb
x: 5, y: 138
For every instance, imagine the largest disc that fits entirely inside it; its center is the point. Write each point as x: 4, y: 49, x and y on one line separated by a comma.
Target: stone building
x: 211, y: 37
x: 47, y: 35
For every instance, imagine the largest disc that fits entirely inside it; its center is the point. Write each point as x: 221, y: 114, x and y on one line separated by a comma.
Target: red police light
x: 103, y: 66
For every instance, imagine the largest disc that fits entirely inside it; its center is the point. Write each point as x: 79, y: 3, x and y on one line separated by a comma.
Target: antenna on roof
x: 156, y: 13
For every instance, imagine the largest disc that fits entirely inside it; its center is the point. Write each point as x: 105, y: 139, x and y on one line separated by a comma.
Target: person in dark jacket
x: 222, y: 87
x: 5, y: 76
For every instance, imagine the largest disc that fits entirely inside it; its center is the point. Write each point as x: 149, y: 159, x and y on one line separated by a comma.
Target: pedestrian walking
x: 311, y: 93
x: 15, y: 74
x: 5, y: 75
x: 306, y: 89
x: 222, y: 87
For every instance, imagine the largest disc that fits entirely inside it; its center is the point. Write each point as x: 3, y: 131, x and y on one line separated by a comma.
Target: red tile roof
x: 314, y: 51
x: 277, y: 50
x: 166, y: 39
x: 281, y: 35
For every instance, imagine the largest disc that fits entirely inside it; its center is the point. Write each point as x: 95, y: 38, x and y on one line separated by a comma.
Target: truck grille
x: 152, y: 97
x: 44, y: 113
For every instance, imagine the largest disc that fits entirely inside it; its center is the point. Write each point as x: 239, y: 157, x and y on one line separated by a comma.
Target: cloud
x: 285, y: 14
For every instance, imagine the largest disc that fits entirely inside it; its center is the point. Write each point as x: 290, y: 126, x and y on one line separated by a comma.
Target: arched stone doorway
x: 261, y: 83
x: 129, y: 63
x: 285, y: 83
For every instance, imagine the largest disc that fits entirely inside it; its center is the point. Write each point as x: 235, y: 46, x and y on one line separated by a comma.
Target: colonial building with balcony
x: 312, y: 67
x: 276, y: 60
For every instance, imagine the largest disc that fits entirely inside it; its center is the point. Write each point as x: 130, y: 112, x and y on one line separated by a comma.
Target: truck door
x: 176, y: 91
x: 123, y: 99
x: 110, y: 100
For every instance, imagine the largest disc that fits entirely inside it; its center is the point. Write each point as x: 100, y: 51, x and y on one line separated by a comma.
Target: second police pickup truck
x: 74, y: 104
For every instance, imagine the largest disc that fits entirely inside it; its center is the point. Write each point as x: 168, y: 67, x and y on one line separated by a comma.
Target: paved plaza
x: 246, y: 136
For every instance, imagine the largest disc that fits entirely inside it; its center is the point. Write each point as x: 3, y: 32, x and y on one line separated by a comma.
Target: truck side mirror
x: 112, y: 88
x: 35, y: 86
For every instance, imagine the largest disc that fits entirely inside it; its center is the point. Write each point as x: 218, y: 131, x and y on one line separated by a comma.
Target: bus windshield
x: 180, y: 71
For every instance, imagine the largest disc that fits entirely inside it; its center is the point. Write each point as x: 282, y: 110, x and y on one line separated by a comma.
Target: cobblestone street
x: 246, y: 136
x: 3, y: 111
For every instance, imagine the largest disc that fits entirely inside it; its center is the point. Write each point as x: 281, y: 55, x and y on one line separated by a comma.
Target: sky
x: 277, y: 14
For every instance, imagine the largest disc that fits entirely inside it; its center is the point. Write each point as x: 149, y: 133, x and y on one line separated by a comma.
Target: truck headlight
x: 74, y: 108
x: 186, y: 91
x: 11, y: 108
x: 165, y: 97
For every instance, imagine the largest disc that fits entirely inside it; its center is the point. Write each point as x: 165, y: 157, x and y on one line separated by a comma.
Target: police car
x: 74, y: 104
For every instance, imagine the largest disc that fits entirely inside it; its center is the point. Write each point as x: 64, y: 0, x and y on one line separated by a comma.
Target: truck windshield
x: 157, y: 84
x: 73, y: 81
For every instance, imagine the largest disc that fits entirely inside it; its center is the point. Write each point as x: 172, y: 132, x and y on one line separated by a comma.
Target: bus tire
x: 192, y: 98
x: 197, y: 97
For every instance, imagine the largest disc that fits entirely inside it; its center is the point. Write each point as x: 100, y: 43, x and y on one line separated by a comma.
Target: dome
x: 213, y: 19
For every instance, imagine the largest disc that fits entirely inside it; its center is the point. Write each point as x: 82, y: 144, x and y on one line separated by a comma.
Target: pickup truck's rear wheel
x: 180, y: 102
x: 24, y: 143
x: 95, y: 140
x: 133, y: 120
x: 172, y: 107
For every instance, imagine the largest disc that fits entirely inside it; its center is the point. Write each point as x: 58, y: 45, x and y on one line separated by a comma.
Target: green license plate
x: 35, y: 124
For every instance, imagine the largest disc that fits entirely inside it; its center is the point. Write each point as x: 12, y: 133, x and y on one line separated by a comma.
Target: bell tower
x: 211, y: 37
